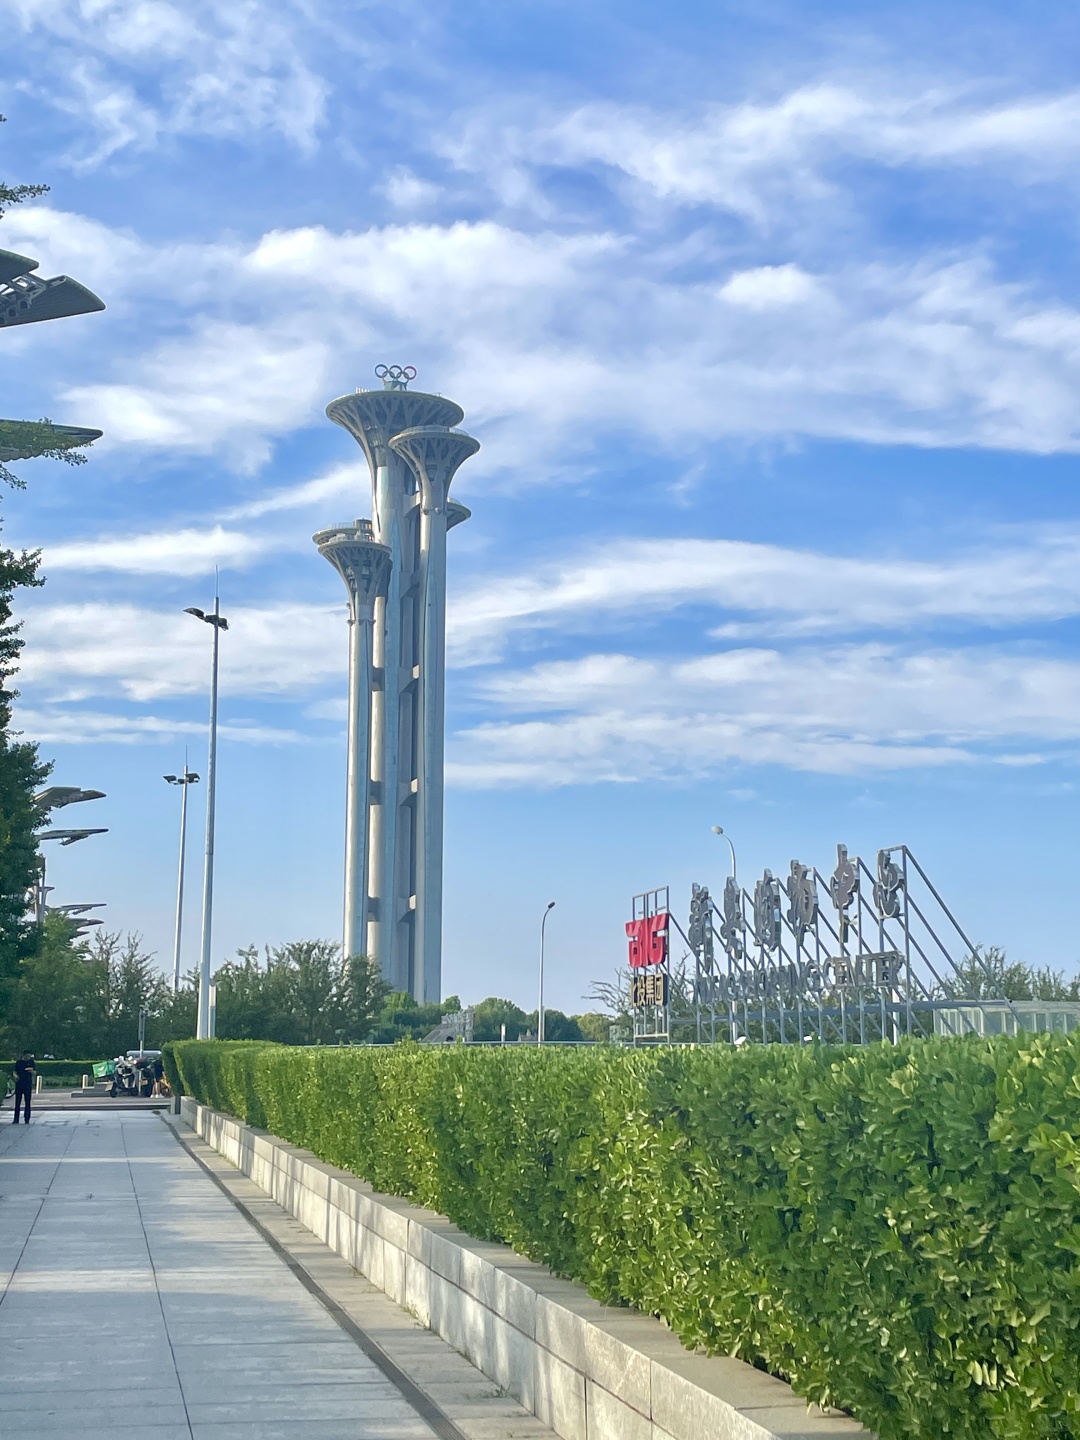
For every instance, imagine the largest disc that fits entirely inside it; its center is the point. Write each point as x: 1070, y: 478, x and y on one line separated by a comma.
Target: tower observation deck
x: 395, y: 572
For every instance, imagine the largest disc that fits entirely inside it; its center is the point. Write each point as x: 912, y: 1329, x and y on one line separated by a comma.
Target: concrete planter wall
x: 589, y: 1371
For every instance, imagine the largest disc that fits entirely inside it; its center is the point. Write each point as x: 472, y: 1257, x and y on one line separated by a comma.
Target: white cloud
x: 99, y: 256
x: 74, y: 652
x: 133, y: 70
x: 226, y: 386
x: 165, y: 552
x: 1033, y: 577
x: 552, y: 340
x: 55, y: 726
x: 840, y: 710
x: 766, y: 160
x: 341, y: 482
x: 407, y: 191
x: 769, y: 287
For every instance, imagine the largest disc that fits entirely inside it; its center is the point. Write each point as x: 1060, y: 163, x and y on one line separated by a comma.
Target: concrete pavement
x: 136, y: 1299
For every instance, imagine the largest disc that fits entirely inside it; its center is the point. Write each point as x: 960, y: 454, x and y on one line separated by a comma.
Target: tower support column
x: 435, y: 452
x: 364, y: 565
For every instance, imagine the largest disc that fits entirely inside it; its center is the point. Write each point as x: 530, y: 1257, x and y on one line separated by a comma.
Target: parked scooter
x: 125, y: 1077
x: 131, y: 1074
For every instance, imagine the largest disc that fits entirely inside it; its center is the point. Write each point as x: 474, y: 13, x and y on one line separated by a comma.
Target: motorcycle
x: 124, y: 1078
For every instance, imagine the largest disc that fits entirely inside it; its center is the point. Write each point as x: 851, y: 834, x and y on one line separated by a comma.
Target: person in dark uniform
x: 24, y: 1085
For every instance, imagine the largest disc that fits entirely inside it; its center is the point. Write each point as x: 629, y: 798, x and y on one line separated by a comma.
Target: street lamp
x: 219, y: 623
x: 25, y: 298
x: 187, y: 778
x: 55, y: 797
x: 719, y: 830
x: 68, y: 837
x: 540, y: 1006
x: 78, y: 916
x: 23, y: 439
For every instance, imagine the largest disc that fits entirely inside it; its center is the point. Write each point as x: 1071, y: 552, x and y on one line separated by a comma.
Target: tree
x: 132, y: 984
x: 363, y: 991
x: 301, y: 993
x: 594, y: 1026
x: 22, y: 771
x: 179, y: 1011
x: 492, y: 1014
x: 317, y: 976
x: 558, y: 1028
x: 614, y: 998
x: 56, y: 1005
x: 988, y: 974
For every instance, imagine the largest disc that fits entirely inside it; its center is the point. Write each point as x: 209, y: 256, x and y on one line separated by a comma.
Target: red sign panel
x: 648, y: 939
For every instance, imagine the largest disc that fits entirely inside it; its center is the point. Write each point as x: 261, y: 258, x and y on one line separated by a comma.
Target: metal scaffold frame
x: 852, y: 957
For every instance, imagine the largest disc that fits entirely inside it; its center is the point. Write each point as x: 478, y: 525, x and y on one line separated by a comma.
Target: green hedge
x: 896, y: 1229
x: 54, y: 1072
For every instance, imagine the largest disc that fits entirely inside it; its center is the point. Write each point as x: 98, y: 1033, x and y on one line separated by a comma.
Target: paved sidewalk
x: 135, y: 1299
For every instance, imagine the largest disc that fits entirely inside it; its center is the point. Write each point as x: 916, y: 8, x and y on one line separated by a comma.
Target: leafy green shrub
x: 896, y: 1229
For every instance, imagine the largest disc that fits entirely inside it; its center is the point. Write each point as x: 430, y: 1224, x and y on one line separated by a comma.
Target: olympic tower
x: 395, y: 570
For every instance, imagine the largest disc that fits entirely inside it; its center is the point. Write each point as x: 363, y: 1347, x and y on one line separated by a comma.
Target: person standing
x: 24, y: 1085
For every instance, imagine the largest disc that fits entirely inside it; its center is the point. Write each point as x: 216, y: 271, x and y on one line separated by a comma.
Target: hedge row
x: 896, y: 1229
x: 53, y: 1071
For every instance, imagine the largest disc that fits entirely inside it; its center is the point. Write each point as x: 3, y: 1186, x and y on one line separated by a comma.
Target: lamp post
x: 540, y: 1006
x: 219, y: 623
x: 719, y: 830
x: 187, y: 778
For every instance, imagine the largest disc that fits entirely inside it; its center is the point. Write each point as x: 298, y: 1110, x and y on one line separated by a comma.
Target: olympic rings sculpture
x: 396, y: 372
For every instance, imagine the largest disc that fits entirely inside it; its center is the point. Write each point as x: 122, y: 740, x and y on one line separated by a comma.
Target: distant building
x: 458, y: 1026
x: 1004, y: 1017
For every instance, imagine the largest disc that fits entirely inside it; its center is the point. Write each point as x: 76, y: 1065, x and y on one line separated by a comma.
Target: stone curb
x: 589, y: 1371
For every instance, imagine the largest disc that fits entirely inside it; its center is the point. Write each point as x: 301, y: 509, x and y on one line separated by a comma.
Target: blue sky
x: 767, y: 319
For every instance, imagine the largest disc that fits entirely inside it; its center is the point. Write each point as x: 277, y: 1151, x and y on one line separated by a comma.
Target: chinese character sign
x: 650, y: 989
x: 648, y: 939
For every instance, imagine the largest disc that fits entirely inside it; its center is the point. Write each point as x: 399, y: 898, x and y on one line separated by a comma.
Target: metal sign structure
x: 855, y: 956
x: 648, y: 934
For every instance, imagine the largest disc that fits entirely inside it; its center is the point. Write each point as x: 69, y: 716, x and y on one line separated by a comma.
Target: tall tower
x: 413, y: 453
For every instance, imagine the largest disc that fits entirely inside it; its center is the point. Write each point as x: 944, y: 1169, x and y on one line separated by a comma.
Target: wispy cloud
x: 62, y: 726
x: 837, y: 710
x: 164, y: 552
x: 75, y: 652
x: 756, y: 157
x: 551, y: 340
x: 774, y: 590
x: 341, y: 482
x: 132, y: 71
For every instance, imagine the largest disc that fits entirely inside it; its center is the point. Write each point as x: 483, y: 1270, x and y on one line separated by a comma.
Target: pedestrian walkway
x: 136, y: 1299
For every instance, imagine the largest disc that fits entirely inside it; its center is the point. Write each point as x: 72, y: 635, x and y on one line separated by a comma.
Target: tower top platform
x: 374, y: 416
